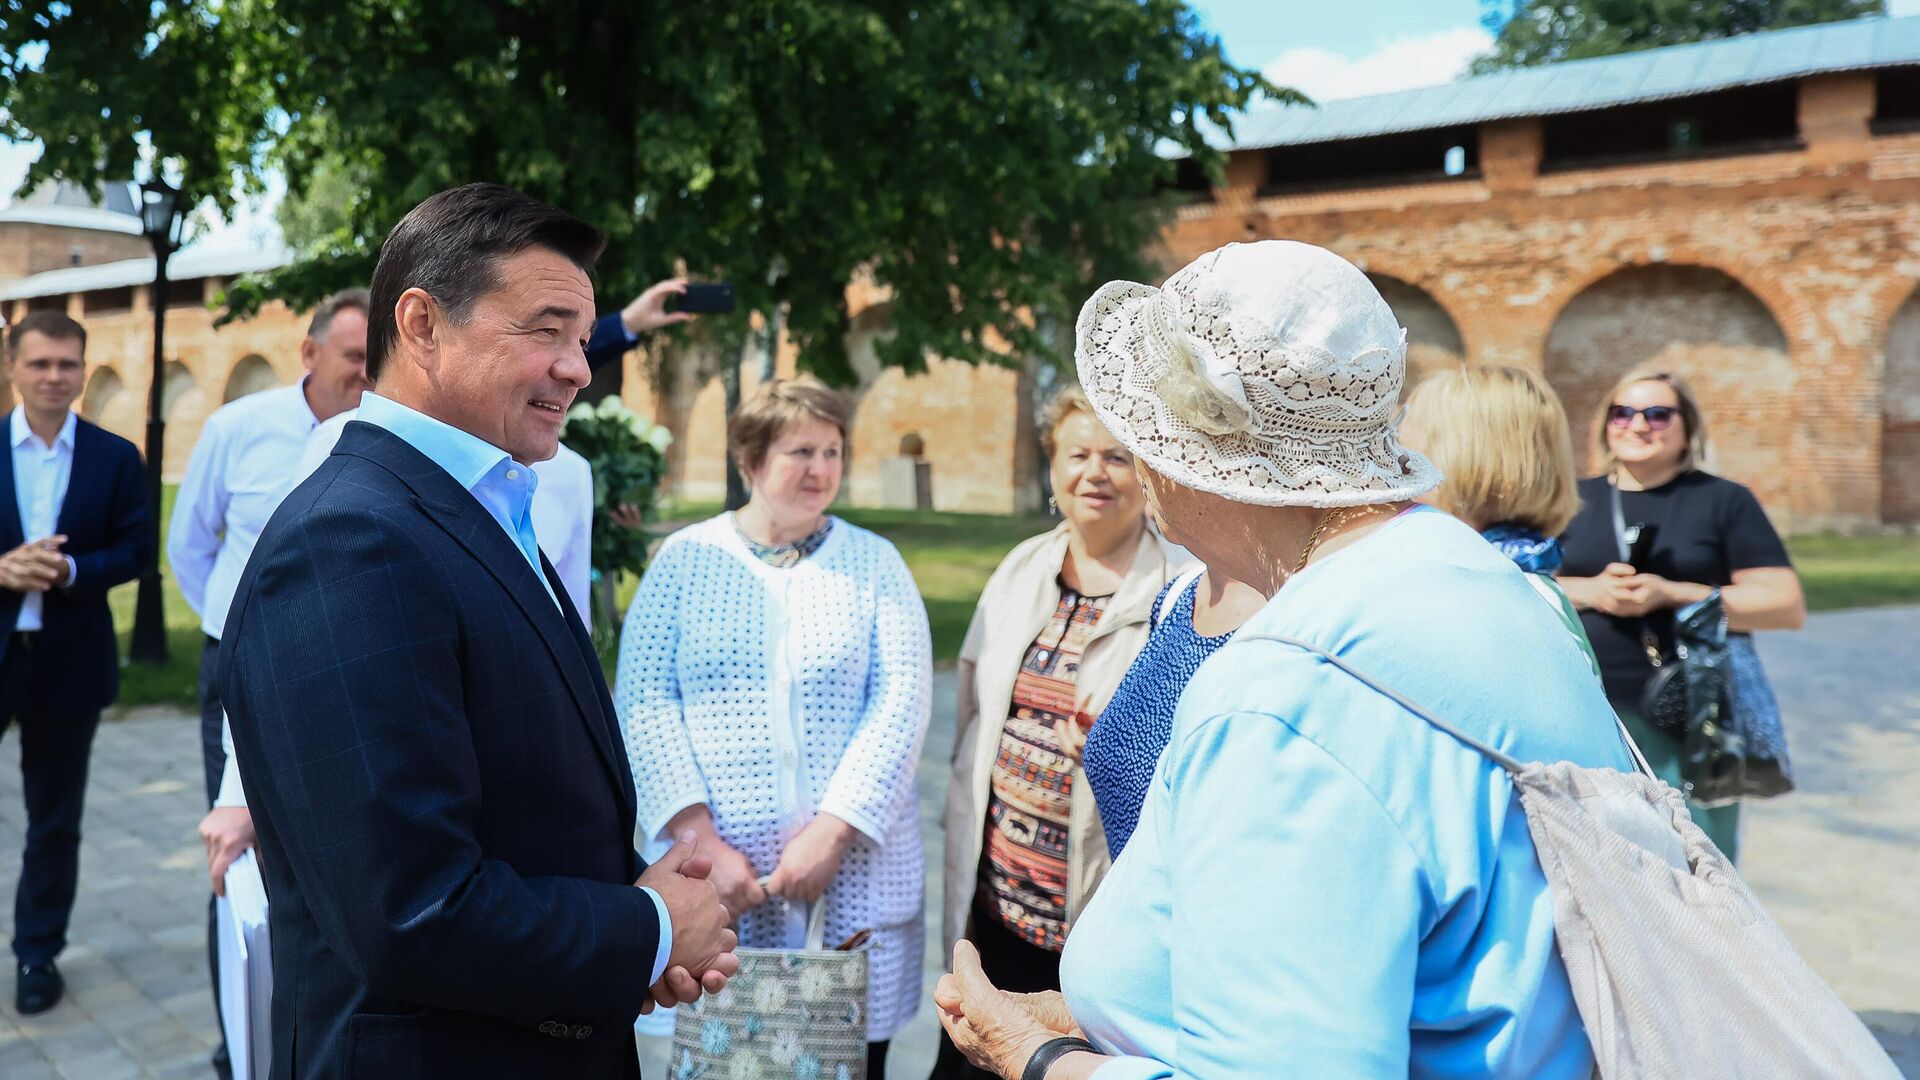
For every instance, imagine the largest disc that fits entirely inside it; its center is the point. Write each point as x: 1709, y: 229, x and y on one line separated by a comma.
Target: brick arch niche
x: 1697, y: 322
x: 1433, y: 338
x: 963, y: 416
x: 250, y: 376
x: 184, y: 405
x: 1900, y: 418
x: 109, y: 403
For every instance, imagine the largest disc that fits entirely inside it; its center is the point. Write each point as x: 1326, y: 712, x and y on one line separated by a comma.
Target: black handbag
x: 1689, y: 696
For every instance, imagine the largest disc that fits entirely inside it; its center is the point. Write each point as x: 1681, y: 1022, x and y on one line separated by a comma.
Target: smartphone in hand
x: 705, y: 298
x: 1640, y: 545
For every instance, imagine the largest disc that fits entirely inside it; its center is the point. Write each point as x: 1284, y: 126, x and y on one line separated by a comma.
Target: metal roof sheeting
x: 73, y: 217
x: 1602, y: 82
x: 187, y: 264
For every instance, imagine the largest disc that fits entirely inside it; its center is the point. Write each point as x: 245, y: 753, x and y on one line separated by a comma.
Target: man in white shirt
x: 241, y: 468
x: 74, y: 522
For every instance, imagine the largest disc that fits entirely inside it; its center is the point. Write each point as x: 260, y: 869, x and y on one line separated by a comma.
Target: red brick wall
x: 1433, y: 340
x: 1900, y: 437
x: 1774, y: 281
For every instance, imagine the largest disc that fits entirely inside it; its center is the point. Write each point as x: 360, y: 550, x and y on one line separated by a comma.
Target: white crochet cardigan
x: 775, y: 694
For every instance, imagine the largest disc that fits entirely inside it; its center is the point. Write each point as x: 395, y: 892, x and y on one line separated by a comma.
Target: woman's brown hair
x: 776, y: 407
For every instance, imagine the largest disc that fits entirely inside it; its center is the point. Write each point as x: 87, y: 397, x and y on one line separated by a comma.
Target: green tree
x: 1532, y: 32
x: 111, y: 88
x: 980, y: 159
x: 983, y: 161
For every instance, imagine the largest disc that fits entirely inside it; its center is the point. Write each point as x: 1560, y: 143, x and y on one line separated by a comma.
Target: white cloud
x: 1401, y: 64
x: 1897, y: 8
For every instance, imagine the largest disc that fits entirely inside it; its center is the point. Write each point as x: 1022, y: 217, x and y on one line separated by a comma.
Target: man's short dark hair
x: 344, y: 300
x: 450, y: 246
x: 53, y: 324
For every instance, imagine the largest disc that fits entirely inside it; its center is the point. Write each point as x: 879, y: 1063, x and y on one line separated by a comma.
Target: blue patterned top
x: 1124, y: 745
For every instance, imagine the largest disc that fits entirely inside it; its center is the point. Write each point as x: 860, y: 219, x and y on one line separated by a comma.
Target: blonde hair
x: 1500, y: 438
x: 1063, y: 404
x: 1694, y: 456
x: 775, y: 408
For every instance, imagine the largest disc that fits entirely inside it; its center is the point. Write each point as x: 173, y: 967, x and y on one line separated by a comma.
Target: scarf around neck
x: 1530, y: 551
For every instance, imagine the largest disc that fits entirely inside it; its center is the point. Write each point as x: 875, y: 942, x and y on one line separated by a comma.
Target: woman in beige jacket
x: 1056, y: 628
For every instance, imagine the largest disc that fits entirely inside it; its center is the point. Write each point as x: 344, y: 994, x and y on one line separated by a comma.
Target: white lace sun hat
x: 1266, y: 373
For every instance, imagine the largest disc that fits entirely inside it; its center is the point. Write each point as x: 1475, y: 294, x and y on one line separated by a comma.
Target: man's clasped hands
x: 702, y: 959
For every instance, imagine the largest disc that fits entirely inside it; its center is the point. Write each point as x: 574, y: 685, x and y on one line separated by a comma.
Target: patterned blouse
x: 1023, y: 874
x: 1125, y: 744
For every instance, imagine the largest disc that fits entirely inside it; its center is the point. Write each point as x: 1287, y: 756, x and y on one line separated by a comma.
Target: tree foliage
x: 978, y: 160
x: 1531, y: 32
x: 100, y: 84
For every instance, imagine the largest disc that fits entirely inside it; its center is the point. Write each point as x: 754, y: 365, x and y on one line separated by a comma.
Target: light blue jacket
x: 1322, y: 885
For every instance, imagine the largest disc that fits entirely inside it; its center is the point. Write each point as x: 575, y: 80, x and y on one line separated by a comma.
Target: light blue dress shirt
x: 1322, y: 884
x: 505, y: 488
x: 562, y: 506
x: 41, y: 473
x: 502, y: 485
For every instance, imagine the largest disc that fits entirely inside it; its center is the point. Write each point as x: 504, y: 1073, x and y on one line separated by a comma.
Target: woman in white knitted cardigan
x: 773, y: 679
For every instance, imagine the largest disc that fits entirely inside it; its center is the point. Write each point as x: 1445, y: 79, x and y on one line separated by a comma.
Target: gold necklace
x: 1332, y: 517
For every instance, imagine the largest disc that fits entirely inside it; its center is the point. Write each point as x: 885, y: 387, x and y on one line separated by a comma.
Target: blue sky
x: 1256, y: 31
x: 1348, y: 48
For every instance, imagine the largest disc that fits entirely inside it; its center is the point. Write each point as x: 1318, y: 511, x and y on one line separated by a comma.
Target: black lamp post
x: 160, y: 221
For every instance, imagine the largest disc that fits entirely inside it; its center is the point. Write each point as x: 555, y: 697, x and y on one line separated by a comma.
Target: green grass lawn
x: 1857, y: 571
x: 951, y: 555
x: 175, y: 682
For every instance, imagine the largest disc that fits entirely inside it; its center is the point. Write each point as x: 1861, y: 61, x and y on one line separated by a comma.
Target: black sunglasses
x: 1659, y: 417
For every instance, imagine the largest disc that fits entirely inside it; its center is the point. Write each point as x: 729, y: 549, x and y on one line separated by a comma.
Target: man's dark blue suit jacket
x: 439, y: 784
x: 608, y: 342
x: 108, y: 527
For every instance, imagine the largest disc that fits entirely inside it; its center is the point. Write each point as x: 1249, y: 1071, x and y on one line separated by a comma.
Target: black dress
x: 1703, y: 529
x: 1699, y: 528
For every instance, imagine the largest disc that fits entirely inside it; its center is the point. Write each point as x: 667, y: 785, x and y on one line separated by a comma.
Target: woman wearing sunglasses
x: 1689, y: 533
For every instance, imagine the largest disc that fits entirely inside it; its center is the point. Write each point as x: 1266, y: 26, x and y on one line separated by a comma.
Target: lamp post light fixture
x: 161, y: 218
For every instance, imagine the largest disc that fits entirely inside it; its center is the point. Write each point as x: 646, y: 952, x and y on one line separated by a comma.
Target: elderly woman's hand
x: 1071, y: 737
x: 811, y: 859
x: 996, y: 1030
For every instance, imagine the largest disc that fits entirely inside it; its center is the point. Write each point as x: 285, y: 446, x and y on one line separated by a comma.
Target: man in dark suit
x: 73, y: 523
x: 444, y: 808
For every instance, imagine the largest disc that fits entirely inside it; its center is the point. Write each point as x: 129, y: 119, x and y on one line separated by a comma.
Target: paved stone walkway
x: 138, y: 1003
x: 1835, y: 864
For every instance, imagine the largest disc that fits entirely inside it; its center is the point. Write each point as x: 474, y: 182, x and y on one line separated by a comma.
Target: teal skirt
x: 1720, y: 823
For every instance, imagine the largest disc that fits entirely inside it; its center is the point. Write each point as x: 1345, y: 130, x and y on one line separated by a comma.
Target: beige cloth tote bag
x: 1676, y: 969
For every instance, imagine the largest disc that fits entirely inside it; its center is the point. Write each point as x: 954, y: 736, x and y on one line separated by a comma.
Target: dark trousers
x: 55, y: 745
x: 1011, y: 963
x: 213, y: 758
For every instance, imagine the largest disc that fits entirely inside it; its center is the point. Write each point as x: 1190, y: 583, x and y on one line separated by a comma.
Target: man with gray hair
x: 241, y: 468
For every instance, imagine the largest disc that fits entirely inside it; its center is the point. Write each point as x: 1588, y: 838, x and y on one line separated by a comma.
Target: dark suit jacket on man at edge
x: 109, y: 534
x: 391, y: 658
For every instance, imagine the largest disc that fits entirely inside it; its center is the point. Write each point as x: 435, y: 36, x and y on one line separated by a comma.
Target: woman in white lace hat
x: 1320, y: 884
